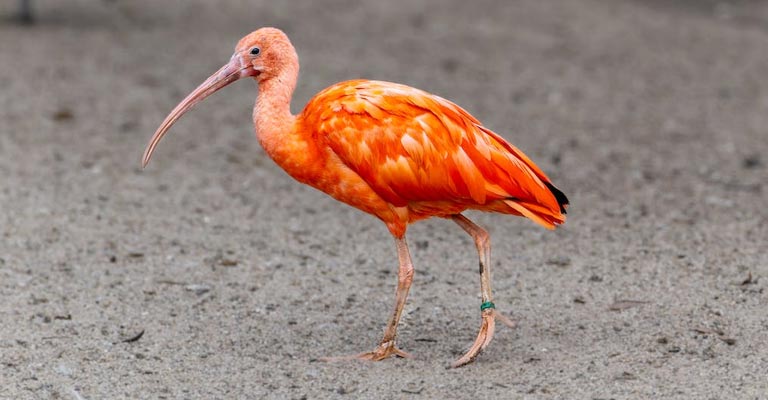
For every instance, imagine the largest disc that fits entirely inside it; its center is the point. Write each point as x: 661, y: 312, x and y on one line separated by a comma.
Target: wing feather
x: 410, y: 146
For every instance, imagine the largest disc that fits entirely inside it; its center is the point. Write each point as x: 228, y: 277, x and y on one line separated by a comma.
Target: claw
x: 383, y: 351
x: 484, y: 337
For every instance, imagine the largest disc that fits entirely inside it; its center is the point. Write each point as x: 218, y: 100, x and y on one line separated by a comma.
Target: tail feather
x: 537, y: 213
x: 562, y: 201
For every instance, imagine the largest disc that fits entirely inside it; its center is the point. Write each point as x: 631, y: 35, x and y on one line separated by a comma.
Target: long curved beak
x: 229, y: 73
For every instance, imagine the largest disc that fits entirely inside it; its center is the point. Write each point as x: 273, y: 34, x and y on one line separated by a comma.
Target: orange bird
x: 392, y: 151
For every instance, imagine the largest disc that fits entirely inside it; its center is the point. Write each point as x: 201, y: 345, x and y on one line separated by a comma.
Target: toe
x: 382, y: 352
x: 504, y: 319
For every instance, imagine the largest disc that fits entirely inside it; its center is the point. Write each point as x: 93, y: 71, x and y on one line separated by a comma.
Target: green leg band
x: 486, y: 305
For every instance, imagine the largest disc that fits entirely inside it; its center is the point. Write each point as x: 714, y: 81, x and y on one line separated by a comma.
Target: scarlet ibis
x: 392, y: 151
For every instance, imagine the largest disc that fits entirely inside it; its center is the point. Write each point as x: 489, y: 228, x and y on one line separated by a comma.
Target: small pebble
x: 199, y: 289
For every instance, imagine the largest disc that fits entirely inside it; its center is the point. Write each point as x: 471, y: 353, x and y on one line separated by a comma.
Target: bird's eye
x: 255, y: 51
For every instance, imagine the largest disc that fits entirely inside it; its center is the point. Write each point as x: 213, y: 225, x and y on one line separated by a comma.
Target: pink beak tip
x: 144, y: 160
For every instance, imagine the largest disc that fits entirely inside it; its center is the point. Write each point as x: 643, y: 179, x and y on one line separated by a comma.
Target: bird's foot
x: 490, y: 315
x: 382, y: 351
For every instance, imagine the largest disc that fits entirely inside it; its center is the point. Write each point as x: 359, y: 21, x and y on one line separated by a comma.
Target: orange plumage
x: 390, y: 150
x: 423, y: 153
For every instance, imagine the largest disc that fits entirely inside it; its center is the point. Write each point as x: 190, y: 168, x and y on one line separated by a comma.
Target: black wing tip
x: 562, y: 200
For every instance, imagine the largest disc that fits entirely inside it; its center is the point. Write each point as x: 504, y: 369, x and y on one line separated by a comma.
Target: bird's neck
x: 276, y: 126
x: 272, y: 114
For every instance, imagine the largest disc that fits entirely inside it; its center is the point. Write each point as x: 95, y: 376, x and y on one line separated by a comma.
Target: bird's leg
x: 387, y: 347
x: 487, y: 308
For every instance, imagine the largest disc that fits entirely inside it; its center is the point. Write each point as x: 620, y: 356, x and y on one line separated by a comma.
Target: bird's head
x: 268, y: 52
x: 263, y: 54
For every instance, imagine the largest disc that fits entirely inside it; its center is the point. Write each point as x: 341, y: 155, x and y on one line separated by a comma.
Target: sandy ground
x: 650, y: 115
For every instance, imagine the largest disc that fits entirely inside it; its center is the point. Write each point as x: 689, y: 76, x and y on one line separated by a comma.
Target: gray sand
x: 650, y: 115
